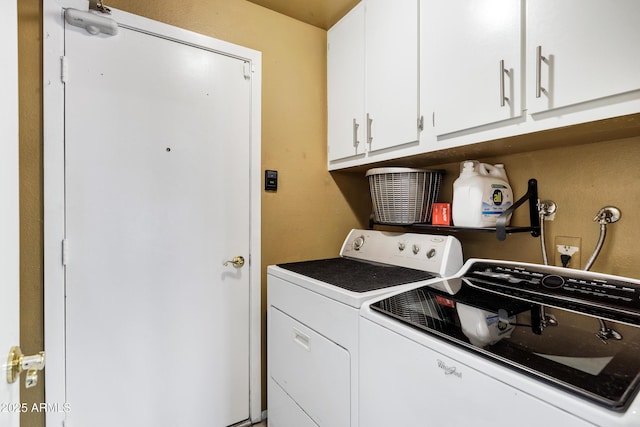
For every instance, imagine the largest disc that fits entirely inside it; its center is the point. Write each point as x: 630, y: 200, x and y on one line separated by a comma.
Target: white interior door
x: 9, y: 220
x: 157, y: 159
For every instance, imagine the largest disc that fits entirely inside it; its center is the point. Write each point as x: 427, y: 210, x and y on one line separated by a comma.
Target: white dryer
x: 313, y: 313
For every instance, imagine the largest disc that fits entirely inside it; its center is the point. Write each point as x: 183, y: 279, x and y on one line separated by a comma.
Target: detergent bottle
x: 480, y: 194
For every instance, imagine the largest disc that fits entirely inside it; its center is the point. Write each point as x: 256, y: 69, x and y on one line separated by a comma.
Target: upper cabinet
x: 346, y: 86
x: 472, y: 62
x: 391, y: 46
x: 372, y: 80
x: 581, y: 50
x: 416, y: 76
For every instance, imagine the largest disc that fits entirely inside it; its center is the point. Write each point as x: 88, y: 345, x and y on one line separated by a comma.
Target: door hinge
x: 421, y: 123
x: 247, y: 70
x: 433, y: 119
x: 64, y: 69
x: 65, y: 252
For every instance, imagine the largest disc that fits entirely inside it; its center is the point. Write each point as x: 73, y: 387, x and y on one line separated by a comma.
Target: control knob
x: 358, y: 243
x: 553, y: 281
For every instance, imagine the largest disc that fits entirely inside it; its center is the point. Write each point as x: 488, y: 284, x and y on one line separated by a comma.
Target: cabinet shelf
x: 501, y: 229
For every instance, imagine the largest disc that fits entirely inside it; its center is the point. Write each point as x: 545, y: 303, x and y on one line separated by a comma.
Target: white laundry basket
x: 403, y: 195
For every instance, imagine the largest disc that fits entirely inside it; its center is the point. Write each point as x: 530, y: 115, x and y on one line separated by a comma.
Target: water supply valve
x: 607, y: 215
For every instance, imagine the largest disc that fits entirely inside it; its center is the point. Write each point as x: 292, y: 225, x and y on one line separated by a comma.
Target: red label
x: 441, y: 214
x: 445, y: 301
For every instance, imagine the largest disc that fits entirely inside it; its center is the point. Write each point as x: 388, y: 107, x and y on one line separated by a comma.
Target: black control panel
x: 565, y: 288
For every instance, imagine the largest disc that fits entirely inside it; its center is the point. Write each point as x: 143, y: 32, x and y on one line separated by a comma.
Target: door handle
x: 17, y: 363
x: 237, y: 261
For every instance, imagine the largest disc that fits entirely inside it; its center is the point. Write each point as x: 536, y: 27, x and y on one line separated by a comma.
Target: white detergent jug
x: 480, y: 194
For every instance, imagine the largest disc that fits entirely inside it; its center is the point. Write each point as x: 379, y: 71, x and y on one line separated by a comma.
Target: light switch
x: 270, y: 180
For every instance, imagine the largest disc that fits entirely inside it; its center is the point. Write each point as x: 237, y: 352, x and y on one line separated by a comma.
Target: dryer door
x: 311, y: 369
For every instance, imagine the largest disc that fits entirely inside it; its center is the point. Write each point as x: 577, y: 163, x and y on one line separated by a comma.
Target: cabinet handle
x: 503, y: 71
x: 355, y: 133
x: 539, y: 59
x: 369, y: 122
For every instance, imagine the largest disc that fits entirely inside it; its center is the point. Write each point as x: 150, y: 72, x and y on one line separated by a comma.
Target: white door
x: 157, y: 197
x: 9, y: 222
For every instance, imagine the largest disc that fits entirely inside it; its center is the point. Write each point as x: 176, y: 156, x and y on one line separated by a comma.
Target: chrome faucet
x: 606, y: 215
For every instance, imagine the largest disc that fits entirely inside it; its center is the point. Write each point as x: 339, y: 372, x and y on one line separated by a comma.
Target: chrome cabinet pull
x: 369, y: 122
x: 355, y: 133
x: 539, y: 59
x: 503, y: 71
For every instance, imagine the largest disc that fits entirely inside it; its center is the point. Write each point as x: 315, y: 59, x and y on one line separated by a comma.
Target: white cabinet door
x: 345, y: 86
x: 473, y: 62
x: 391, y: 29
x: 589, y: 51
x: 372, y: 79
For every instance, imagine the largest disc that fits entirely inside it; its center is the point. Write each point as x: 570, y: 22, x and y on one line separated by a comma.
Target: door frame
x: 54, y: 194
x: 9, y: 209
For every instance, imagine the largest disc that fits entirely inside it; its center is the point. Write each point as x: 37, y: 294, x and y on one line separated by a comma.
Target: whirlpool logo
x: 449, y: 370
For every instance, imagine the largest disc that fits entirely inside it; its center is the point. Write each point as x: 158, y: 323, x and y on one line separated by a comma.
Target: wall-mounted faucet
x: 545, y: 208
x: 606, y: 215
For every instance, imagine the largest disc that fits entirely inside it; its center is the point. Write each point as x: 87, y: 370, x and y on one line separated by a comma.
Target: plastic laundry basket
x: 403, y: 195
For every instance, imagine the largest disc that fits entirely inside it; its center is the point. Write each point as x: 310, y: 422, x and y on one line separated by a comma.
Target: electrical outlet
x: 568, y: 246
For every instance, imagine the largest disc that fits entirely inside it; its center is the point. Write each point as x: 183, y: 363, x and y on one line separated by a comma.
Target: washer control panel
x: 541, y: 283
x: 437, y: 254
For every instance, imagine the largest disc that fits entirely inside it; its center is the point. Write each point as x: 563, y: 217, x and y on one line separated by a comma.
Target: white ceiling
x: 320, y: 13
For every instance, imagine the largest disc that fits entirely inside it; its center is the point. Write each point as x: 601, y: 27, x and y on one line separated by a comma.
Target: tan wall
x: 31, y: 213
x: 581, y: 180
x: 311, y: 212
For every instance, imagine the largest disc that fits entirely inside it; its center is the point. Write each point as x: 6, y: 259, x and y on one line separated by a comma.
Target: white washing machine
x: 313, y: 313
x: 503, y: 344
